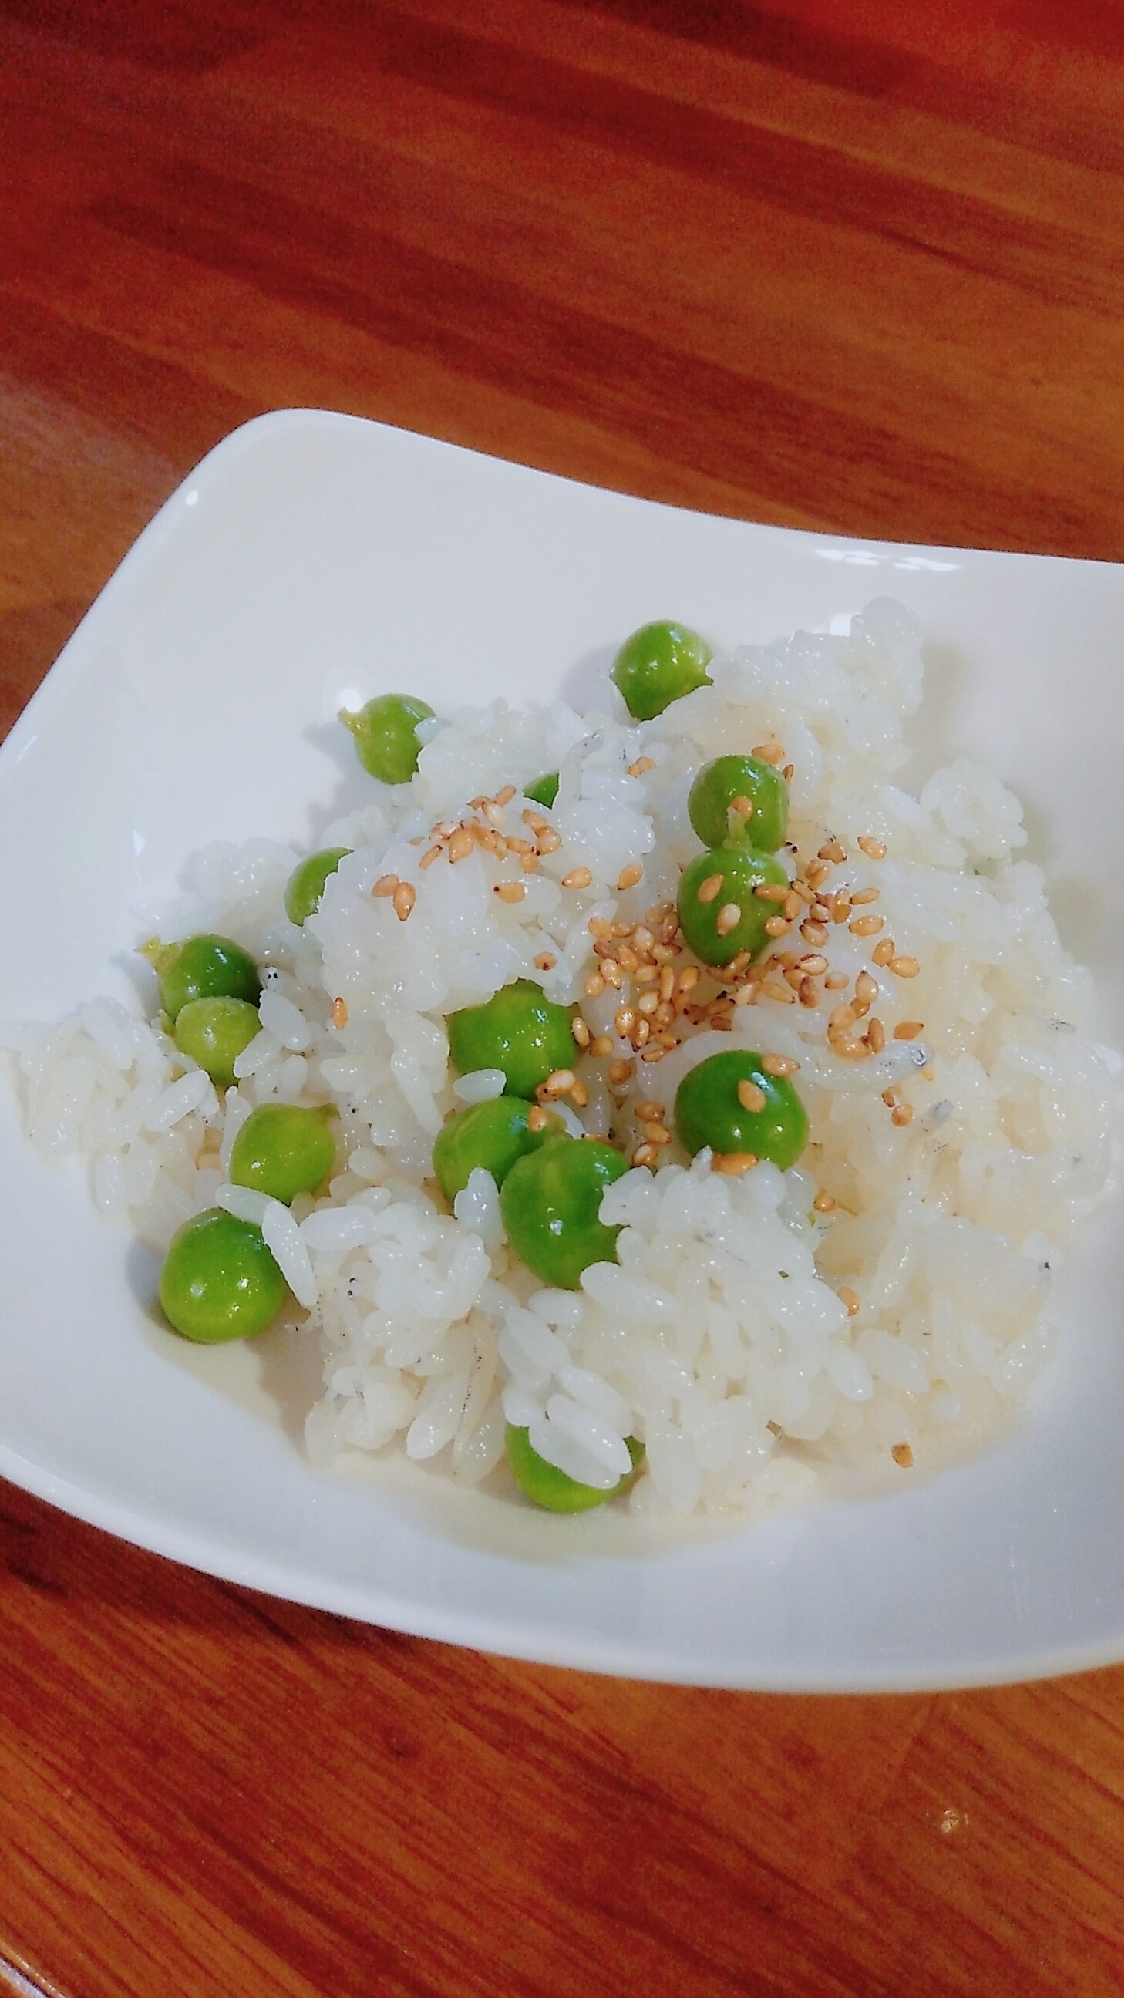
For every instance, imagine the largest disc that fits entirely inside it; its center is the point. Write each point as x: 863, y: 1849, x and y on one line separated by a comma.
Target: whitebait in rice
x: 754, y: 1322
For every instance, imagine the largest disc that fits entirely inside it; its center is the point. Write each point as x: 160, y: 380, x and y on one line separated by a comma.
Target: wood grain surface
x: 854, y: 266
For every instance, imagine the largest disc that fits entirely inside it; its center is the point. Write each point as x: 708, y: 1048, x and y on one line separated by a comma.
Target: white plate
x: 314, y: 557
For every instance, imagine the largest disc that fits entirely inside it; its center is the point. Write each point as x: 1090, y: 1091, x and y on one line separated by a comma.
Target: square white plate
x: 315, y: 557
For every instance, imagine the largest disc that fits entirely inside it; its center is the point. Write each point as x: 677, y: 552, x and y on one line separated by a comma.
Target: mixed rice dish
x: 659, y: 1105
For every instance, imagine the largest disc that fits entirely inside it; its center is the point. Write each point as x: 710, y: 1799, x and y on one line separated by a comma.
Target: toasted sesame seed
x: 733, y: 1164
x: 904, y: 967
x: 505, y: 796
x: 848, y: 1048
x: 339, y: 1012
x: 866, y: 987
x: 648, y: 1003
x: 809, y: 992
x: 611, y: 973
x: 624, y: 1020
x: 428, y: 858
x: 657, y: 1134
x: 867, y: 926
x: 834, y: 851
x: 750, y: 1097
x: 549, y: 840
x: 627, y: 959
x: 688, y: 978
x: 646, y: 974
x: 600, y: 1045
x: 840, y: 906
x: 385, y: 885
x: 813, y: 965
x: 792, y: 906
x: 842, y: 1018
x: 512, y: 844
x: 645, y: 1155
x: 745, y: 995
x: 461, y: 844
x: 778, y: 1064
x: 580, y: 1031
x: 889, y: 1097
x: 537, y: 1119
x: 629, y: 876
x: 728, y: 918
x: 771, y: 891
x: 802, y: 889
x: 641, y: 764
x: 497, y: 844
x: 710, y: 889
x: 640, y: 1033
x: 771, y: 988
x: 883, y: 951
x: 579, y: 1094
x: 578, y: 877
x: 823, y: 1203
x: 559, y: 1083
x: 902, y: 1455
x: 594, y: 985
x: 475, y: 805
x: 536, y: 821
x: 789, y: 772
x: 836, y: 981
x: 655, y: 1051
x: 769, y: 752
x: 850, y: 1298
x: 620, y: 1071
x: 865, y: 895
x: 545, y: 961
x: 818, y: 872
x: 793, y: 977
x: 876, y: 1037
x: 901, y: 1115
x: 510, y: 891
x: 403, y: 900
x: 598, y: 927
x: 777, y: 926
x: 875, y: 849
x: 649, y: 1108
x: 908, y: 1030
x: 813, y: 933
x: 667, y: 981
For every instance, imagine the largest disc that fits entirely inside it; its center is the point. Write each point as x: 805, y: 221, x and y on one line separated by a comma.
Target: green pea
x: 659, y: 664
x: 283, y: 1149
x: 544, y: 790
x: 214, y: 1032
x: 710, y: 1111
x: 549, y: 1203
x: 219, y: 1280
x: 749, y: 777
x: 205, y: 967
x: 306, y: 882
x: 519, y: 1030
x: 552, y: 1488
x: 493, y: 1135
x: 386, y: 735
x: 720, y: 922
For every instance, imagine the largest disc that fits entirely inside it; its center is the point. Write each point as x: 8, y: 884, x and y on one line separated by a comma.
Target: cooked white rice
x: 752, y: 1343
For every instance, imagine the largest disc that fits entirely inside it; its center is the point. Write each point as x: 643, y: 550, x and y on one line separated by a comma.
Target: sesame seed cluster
x: 664, y: 994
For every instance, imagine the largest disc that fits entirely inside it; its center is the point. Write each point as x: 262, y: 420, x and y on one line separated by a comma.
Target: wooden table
x: 858, y: 266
